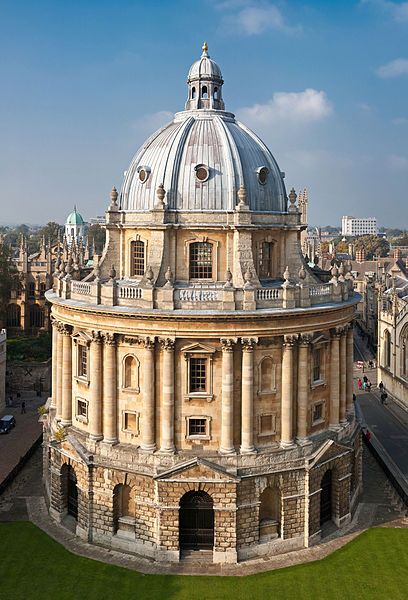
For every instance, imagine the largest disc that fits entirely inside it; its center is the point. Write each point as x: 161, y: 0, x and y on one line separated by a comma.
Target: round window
x: 202, y: 172
x: 263, y: 175
x: 144, y: 173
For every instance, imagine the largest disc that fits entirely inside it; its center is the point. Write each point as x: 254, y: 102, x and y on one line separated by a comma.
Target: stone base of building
x: 236, y: 507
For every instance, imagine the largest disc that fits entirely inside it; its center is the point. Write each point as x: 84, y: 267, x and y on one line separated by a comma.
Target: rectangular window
x: 82, y: 361
x: 198, y: 375
x: 130, y: 422
x: 316, y: 364
x: 317, y: 414
x: 82, y: 410
x: 197, y: 427
x: 137, y: 267
x: 265, y: 260
x: 201, y: 260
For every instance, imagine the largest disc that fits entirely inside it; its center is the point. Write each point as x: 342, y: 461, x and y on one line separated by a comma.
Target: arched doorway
x: 196, y: 521
x: 326, y: 498
x: 71, y: 490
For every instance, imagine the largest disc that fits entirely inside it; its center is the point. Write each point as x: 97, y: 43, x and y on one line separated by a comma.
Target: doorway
x: 326, y: 498
x: 196, y: 521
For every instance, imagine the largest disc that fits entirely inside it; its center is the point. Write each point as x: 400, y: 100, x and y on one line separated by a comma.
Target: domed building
x: 75, y: 228
x: 202, y: 374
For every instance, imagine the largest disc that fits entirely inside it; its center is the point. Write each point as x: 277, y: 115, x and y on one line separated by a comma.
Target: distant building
x: 393, y: 331
x: 3, y: 338
x: 352, y: 226
x: 75, y: 228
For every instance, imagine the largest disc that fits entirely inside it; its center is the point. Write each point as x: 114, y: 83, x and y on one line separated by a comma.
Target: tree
x: 8, y: 280
x: 373, y: 245
x: 98, y: 235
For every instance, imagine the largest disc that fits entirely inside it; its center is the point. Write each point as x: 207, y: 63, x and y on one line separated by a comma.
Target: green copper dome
x: 74, y: 218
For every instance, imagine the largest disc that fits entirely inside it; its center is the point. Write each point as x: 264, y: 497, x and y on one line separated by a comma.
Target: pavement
x: 15, y: 444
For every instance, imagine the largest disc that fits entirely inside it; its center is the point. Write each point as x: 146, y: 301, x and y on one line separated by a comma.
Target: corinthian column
x: 110, y: 416
x: 58, y: 360
x: 247, y: 414
x: 148, y: 417
x: 302, y: 389
x: 95, y: 385
x: 54, y: 364
x: 167, y: 413
x: 287, y: 392
x: 335, y: 379
x: 227, y: 401
x: 343, y: 376
x: 350, y: 365
x: 66, y: 408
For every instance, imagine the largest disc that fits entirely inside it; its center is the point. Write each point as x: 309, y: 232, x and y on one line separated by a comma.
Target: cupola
x: 205, y: 84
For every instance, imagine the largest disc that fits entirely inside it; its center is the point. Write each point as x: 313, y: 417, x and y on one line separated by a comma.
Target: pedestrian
x: 365, y: 378
x: 23, y: 407
x: 384, y: 397
x: 359, y: 383
x: 381, y: 386
x: 18, y: 396
x: 354, y: 397
x: 368, y: 386
x: 10, y: 401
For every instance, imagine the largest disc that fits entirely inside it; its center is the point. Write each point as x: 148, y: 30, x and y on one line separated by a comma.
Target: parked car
x: 7, y: 423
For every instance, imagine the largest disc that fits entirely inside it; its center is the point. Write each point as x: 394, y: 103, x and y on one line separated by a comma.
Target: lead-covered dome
x: 203, y: 157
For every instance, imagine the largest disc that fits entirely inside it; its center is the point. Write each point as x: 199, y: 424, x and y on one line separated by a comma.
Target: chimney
x: 397, y: 254
x: 360, y: 255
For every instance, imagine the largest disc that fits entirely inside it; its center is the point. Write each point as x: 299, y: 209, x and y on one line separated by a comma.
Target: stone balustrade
x: 204, y: 297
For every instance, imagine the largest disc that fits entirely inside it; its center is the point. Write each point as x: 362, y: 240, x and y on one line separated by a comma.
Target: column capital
x: 248, y: 344
x: 305, y: 339
x: 64, y: 329
x: 289, y: 340
x: 227, y: 344
x: 97, y: 337
x: 148, y: 342
x: 336, y: 332
x: 110, y: 339
x: 167, y: 344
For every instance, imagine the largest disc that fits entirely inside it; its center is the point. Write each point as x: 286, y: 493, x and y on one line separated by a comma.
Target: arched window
x: 204, y: 92
x: 404, y: 352
x: 215, y: 95
x: 137, y: 259
x: 269, y: 513
x: 131, y: 367
x: 201, y: 260
x: 387, y: 349
x: 267, y: 376
x: 13, y: 315
x: 123, y: 506
x: 265, y: 260
x: 43, y: 288
x: 31, y: 289
x: 193, y: 93
x: 36, y: 316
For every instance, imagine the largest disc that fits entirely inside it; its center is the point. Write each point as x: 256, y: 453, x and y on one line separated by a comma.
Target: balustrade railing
x: 82, y: 288
x: 128, y: 292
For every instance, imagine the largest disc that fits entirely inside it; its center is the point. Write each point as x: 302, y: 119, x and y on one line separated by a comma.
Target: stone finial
x: 160, y: 193
x: 112, y: 273
x: 113, y: 199
x: 242, y: 198
x: 286, y: 274
x: 68, y: 266
x: 205, y: 49
x: 248, y: 278
x: 292, y: 200
x: 149, y: 275
x: 341, y: 271
x: 228, y: 278
x: 168, y: 276
x: 302, y: 274
x: 334, y: 273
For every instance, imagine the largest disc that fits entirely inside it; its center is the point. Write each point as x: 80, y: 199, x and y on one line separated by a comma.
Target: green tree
x: 8, y: 280
x: 373, y: 245
x: 98, y: 235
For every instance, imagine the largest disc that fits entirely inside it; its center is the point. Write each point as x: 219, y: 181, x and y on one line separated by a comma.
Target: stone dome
x: 203, y: 157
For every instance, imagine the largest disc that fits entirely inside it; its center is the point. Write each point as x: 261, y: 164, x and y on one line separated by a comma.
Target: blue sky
x: 325, y: 84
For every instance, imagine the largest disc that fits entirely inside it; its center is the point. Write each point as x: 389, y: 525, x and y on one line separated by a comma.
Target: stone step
x: 197, y: 556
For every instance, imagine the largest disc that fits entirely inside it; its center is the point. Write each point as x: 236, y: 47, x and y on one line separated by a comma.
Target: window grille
x: 82, y: 361
x: 265, y: 260
x: 197, y: 427
x: 316, y: 365
x: 137, y: 259
x: 201, y: 260
x: 198, y: 375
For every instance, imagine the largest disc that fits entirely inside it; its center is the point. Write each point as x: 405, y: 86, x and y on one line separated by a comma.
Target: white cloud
x: 396, y: 161
x: 289, y: 107
x: 395, y: 68
x: 397, y: 10
x: 151, y: 122
x: 248, y: 17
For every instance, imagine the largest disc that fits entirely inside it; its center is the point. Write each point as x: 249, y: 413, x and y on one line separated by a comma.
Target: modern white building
x: 353, y: 226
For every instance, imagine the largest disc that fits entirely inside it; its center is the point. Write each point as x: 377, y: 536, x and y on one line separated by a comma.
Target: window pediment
x: 198, y: 348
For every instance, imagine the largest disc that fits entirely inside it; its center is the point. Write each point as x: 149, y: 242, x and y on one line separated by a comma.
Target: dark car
x: 7, y: 423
